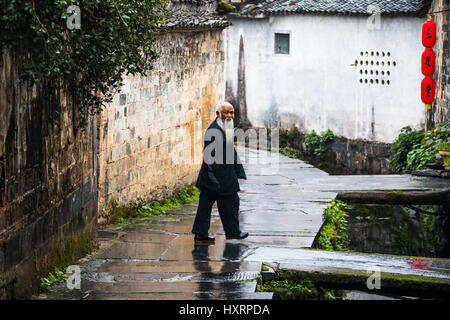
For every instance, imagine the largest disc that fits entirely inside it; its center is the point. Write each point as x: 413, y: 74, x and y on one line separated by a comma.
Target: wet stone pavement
x: 281, y: 207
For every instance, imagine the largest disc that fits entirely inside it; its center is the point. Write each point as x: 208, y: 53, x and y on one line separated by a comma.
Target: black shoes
x: 199, y: 239
x: 240, y: 236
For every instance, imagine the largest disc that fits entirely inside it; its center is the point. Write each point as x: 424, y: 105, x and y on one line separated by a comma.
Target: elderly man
x: 218, y: 178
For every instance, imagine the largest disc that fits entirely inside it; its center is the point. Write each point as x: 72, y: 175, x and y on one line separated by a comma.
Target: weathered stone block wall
x: 343, y: 156
x: 346, y: 156
x: 440, y: 13
x: 150, y: 136
x: 47, y: 182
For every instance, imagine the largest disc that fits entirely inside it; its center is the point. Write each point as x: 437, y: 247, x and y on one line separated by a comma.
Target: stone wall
x: 343, y: 156
x: 439, y: 12
x: 346, y: 156
x: 48, y: 198
x: 399, y: 230
x: 150, y: 136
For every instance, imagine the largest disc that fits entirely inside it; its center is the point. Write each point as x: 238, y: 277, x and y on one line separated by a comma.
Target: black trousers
x: 228, y: 207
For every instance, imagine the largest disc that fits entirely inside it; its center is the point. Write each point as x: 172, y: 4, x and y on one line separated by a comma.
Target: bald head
x: 222, y: 104
x: 225, y: 111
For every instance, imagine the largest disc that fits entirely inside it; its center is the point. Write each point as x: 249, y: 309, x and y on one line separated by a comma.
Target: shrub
x: 116, y: 38
x: 326, y: 136
x: 425, y: 152
x: 334, y: 230
x: 288, y: 137
x: 312, y: 138
x: 52, y: 279
x: 290, y: 152
x: 404, y: 143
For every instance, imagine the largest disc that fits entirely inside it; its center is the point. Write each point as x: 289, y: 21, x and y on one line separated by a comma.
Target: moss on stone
x: 393, y: 192
x: 394, y: 229
x: 285, y: 288
x: 120, y: 213
x: 63, y: 255
x: 225, y: 7
x: 412, y: 285
x: 73, y: 248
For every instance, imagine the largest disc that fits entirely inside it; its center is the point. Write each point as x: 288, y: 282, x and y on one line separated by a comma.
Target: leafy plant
x: 312, y: 138
x: 119, y: 213
x: 444, y: 146
x: 447, y: 161
x: 52, y: 279
x: 334, y: 230
x: 290, y: 152
x: 116, y: 38
x: 326, y: 136
x: 288, y: 137
x: 425, y: 152
x: 318, y: 152
x: 120, y: 220
x: 404, y: 143
x: 298, y: 290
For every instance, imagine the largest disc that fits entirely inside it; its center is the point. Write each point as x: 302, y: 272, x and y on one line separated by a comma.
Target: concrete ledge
x: 414, y: 276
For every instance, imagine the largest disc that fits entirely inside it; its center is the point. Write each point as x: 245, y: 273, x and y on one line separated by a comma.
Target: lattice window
x: 375, y: 67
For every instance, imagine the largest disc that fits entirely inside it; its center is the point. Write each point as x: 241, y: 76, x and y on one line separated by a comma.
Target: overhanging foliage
x: 115, y: 38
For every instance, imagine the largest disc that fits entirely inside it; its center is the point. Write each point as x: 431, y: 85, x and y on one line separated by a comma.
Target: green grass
x: 119, y: 214
x: 53, y: 278
x: 293, y: 290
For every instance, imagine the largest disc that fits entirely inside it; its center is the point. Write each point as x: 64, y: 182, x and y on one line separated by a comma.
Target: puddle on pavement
x: 398, y: 230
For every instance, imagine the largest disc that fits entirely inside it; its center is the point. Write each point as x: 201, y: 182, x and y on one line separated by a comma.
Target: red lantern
x: 427, y: 90
x: 428, y: 62
x: 429, y: 33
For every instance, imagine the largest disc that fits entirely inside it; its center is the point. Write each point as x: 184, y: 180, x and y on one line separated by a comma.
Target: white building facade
x: 356, y: 74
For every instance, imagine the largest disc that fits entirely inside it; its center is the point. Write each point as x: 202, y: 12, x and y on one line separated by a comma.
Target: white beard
x: 228, y: 128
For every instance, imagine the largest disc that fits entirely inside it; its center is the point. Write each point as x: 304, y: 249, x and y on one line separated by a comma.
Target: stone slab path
x: 423, y: 276
x: 281, y: 208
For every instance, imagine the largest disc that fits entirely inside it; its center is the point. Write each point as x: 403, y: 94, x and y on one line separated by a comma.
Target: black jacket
x: 216, y: 178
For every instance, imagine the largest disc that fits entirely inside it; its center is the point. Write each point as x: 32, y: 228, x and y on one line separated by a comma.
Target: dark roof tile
x: 273, y: 7
x: 193, y: 14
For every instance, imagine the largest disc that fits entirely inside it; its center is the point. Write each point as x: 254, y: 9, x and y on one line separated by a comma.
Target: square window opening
x: 282, y: 43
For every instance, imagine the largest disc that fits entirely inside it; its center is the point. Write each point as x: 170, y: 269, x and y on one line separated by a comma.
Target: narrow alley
x: 155, y: 258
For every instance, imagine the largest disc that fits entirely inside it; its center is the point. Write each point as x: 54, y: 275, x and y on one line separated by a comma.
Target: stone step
x: 397, y: 274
